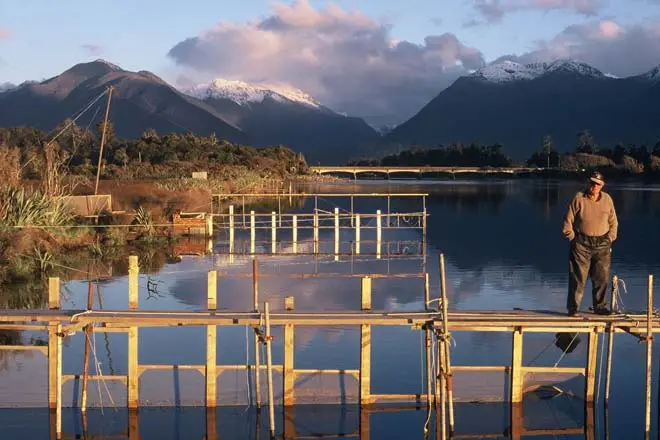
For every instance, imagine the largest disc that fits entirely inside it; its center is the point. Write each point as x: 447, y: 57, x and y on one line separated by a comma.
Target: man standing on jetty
x: 591, y: 225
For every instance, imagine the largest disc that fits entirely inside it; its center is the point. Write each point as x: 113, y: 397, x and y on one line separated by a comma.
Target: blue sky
x: 46, y: 36
x: 41, y: 38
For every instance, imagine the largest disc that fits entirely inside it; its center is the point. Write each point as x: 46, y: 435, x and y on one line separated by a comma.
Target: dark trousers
x: 589, y: 256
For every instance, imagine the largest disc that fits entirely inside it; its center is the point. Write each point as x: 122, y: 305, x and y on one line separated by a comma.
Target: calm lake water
x: 503, y: 248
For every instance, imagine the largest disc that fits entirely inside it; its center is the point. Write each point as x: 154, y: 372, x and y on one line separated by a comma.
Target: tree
x: 547, y: 148
x: 586, y: 143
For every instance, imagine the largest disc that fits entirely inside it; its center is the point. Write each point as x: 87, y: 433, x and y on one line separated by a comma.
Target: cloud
x: 92, y: 49
x: 604, y: 44
x: 343, y: 58
x: 492, y: 11
x: 5, y: 34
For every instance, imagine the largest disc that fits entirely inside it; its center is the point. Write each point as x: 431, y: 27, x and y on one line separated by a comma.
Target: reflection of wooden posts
x: 289, y: 427
x: 336, y: 233
x: 610, y: 341
x: 379, y: 232
x: 517, y: 421
x: 269, y: 372
x: 427, y: 291
x: 211, y: 424
x: 649, y: 349
x: 133, y: 425
x: 54, y: 293
x: 289, y: 373
x: 231, y: 228
x: 365, y: 422
x: 252, y: 232
x: 357, y: 234
x: 295, y: 233
x: 133, y: 277
x: 257, y: 357
x: 365, y: 345
x: 211, y: 341
x: 273, y: 232
x: 316, y: 231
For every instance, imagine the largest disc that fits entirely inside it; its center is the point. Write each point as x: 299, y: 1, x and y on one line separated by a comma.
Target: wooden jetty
x: 419, y: 171
x: 436, y: 321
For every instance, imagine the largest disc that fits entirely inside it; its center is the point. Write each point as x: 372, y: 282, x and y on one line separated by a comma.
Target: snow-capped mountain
x: 6, y: 86
x: 507, y: 71
x: 279, y: 114
x: 517, y: 105
x: 243, y: 93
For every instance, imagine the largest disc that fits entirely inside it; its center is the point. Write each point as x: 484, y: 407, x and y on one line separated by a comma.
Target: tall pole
x: 105, y: 126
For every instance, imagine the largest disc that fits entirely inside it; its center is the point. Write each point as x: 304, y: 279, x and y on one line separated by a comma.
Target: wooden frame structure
x: 437, y: 324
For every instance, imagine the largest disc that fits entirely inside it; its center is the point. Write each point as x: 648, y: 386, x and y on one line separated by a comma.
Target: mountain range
x: 517, y: 105
x: 508, y: 103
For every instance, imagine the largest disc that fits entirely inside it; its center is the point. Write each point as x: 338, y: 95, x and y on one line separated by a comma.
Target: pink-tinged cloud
x: 345, y: 59
x: 604, y: 44
x: 5, y: 34
x: 492, y: 11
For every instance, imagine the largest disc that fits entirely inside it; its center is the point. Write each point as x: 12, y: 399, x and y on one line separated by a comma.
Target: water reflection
x: 503, y: 247
x: 536, y: 417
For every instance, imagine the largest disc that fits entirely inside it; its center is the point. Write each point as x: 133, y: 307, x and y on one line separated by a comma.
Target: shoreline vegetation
x: 149, y: 179
x: 617, y: 163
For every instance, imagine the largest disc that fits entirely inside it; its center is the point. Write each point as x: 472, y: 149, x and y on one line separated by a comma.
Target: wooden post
x: 209, y: 225
x: 133, y: 370
x: 516, y: 367
x: 427, y: 291
x: 295, y: 234
x: 211, y: 424
x: 365, y: 345
x: 429, y: 372
x: 252, y: 232
x: 133, y: 424
x: 88, y: 335
x: 336, y: 234
x: 231, y: 228
x: 54, y: 293
x: 273, y: 232
x: 445, y: 340
x: 289, y: 374
x: 649, y: 349
x: 211, y: 370
x: 592, y: 365
x: 610, y: 340
x: 269, y: 366
x: 357, y: 234
x: 365, y: 424
x: 133, y: 278
x: 378, y: 233
x: 443, y: 390
x: 58, y: 383
x: 53, y: 346
x: 366, y: 293
x: 212, y: 288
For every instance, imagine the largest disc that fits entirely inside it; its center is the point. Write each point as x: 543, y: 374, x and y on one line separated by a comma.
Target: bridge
x: 355, y: 170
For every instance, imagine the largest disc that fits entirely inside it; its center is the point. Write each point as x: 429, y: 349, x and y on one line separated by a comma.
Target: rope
x: 565, y: 351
